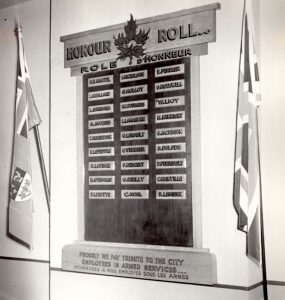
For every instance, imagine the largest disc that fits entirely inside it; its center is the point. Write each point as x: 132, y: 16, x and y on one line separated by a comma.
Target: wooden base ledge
x: 175, y: 264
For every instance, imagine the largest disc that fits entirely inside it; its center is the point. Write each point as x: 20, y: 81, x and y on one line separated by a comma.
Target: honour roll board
x: 137, y: 154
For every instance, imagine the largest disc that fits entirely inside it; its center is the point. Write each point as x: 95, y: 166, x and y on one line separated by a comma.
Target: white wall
x: 24, y: 280
x: 273, y: 133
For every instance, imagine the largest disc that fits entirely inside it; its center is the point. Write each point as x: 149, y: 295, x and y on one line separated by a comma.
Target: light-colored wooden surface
x: 180, y: 29
x: 173, y: 264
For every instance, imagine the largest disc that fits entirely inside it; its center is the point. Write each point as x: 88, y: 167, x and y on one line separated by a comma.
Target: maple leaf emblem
x: 131, y: 44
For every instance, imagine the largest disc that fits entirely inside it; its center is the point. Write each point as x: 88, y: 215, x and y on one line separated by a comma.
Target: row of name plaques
x: 137, y: 133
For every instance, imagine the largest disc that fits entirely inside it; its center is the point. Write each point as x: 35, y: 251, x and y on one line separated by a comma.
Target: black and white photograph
x: 142, y: 150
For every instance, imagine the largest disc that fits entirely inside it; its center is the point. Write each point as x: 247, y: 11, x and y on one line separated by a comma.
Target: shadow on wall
x: 4, y: 296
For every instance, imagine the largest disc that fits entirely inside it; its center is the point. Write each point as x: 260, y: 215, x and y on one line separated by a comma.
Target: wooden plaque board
x: 139, y: 148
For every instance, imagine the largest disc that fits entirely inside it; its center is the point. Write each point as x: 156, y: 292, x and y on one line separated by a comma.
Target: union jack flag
x: 247, y: 192
x: 26, y: 117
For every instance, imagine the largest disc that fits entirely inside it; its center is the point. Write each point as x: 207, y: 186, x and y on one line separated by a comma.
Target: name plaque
x: 134, y: 105
x: 133, y: 91
x: 102, y: 166
x: 170, y: 117
x: 134, y: 120
x: 169, y: 101
x: 131, y: 150
x: 134, y: 194
x: 134, y: 135
x: 132, y: 76
x: 98, y: 81
x: 171, y: 194
x: 170, y: 163
x: 101, y: 151
x: 135, y: 179
x: 100, y: 109
x: 172, y: 70
x: 171, y: 148
x: 101, y: 194
x: 134, y: 165
x: 170, y: 132
x: 173, y: 179
x: 101, y: 180
x: 101, y: 123
x: 101, y: 137
x: 169, y: 86
x: 100, y: 95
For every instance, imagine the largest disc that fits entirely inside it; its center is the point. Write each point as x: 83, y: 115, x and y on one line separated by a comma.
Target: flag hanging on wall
x: 247, y: 192
x: 26, y: 117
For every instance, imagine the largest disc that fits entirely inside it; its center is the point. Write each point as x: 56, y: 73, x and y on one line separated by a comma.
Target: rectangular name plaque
x: 101, y: 194
x: 169, y: 86
x: 101, y: 137
x: 99, y: 180
x: 134, y: 120
x: 169, y: 101
x: 100, y: 109
x: 133, y: 91
x: 101, y: 123
x: 170, y: 132
x: 98, y: 81
x: 172, y: 70
x: 134, y: 105
x: 101, y: 151
x: 131, y: 150
x: 135, y: 179
x: 134, y: 135
x: 100, y: 95
x: 101, y: 166
x: 134, y: 194
x: 132, y: 76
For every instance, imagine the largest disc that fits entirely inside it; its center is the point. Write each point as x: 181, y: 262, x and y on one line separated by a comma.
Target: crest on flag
x: 21, y: 188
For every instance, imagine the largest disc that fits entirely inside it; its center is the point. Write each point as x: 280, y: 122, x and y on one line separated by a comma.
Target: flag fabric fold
x: 20, y: 224
x: 246, y: 195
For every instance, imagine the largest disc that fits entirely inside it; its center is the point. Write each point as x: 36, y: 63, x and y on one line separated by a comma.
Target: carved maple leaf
x: 131, y: 44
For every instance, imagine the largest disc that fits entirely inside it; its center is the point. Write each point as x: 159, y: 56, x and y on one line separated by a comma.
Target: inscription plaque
x: 133, y: 91
x: 101, y: 194
x: 101, y: 151
x: 100, y: 137
x: 134, y: 105
x: 101, y: 166
x: 99, y: 180
x: 102, y: 123
x: 140, y: 116
x: 169, y: 86
x: 132, y: 76
x: 135, y: 179
x: 95, y: 96
x: 134, y: 194
x: 98, y: 81
x: 170, y: 132
x: 100, y: 109
x: 130, y: 150
x: 169, y: 101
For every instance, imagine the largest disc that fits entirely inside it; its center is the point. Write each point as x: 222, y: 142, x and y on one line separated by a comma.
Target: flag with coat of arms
x: 20, y: 222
